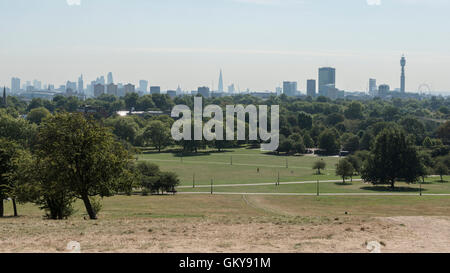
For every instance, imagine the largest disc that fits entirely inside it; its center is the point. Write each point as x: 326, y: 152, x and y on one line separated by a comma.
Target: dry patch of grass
x: 188, y: 223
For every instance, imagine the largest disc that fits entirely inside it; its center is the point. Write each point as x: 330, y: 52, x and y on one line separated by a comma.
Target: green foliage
x: 328, y: 140
x: 319, y: 165
x: 344, y: 169
x: 87, y: 159
x: 392, y: 158
x: 158, y: 133
x: 38, y: 114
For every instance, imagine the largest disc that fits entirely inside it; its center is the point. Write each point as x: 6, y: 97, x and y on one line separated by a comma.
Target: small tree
x: 344, y: 169
x: 158, y: 133
x: 319, y: 165
x: 441, y: 169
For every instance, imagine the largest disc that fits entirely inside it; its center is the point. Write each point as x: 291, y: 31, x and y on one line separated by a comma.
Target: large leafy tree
x: 328, y: 140
x: 392, y: 158
x: 88, y: 160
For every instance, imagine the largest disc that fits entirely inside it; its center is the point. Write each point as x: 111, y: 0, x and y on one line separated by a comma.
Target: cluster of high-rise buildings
x: 324, y: 86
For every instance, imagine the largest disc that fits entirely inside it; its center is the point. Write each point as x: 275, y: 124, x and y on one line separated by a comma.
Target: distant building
x: 204, y: 91
x: 279, y: 91
x: 220, y: 89
x: 172, y: 93
x: 403, y: 77
x: 231, y: 89
x: 155, y: 90
x: 37, y: 85
x: 112, y: 89
x: 71, y: 85
x: 15, y: 85
x: 110, y: 78
x: 143, y: 85
x: 373, y: 87
x: 384, y: 90
x: 327, y: 80
x: 311, y: 88
x: 290, y: 88
x: 99, y: 89
x: 80, y: 84
x: 129, y: 88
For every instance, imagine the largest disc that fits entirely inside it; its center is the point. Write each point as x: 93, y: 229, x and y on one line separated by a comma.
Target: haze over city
x: 258, y: 43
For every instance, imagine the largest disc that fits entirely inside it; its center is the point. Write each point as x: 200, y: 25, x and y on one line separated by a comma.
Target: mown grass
x: 240, y: 166
x: 432, y: 186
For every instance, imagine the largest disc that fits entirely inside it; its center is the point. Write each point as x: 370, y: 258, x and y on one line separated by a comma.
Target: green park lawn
x: 240, y: 166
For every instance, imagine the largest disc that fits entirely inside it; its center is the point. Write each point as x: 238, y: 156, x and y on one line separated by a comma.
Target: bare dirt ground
x: 234, y: 224
x: 395, y: 234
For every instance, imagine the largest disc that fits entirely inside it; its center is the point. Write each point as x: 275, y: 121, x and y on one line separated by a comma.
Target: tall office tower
x: 143, y: 85
x: 311, y: 88
x: 204, y: 91
x: 231, y: 89
x: 15, y: 85
x: 384, y: 89
x: 372, y: 87
x: 155, y: 90
x: 71, y: 85
x: 129, y: 88
x: 110, y: 78
x: 403, y: 78
x: 327, y: 79
x: 290, y: 88
x: 99, y: 89
x: 112, y: 89
x: 80, y: 84
x: 220, y: 89
x: 37, y: 85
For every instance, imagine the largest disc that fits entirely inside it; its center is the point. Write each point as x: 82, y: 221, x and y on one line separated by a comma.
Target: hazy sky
x: 257, y: 43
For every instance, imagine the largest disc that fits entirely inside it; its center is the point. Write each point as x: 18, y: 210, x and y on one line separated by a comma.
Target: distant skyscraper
x: 204, y: 91
x: 110, y: 78
x: 143, y: 85
x: 99, y: 89
x: 311, y: 88
x: 71, y: 86
x: 129, y: 88
x: 290, y: 88
x: 220, y: 89
x: 112, y: 89
x: 327, y: 79
x: 80, y: 84
x: 155, y: 90
x: 384, y: 89
x: 372, y: 87
x: 15, y: 85
x: 403, y: 78
x: 231, y: 89
x: 37, y: 85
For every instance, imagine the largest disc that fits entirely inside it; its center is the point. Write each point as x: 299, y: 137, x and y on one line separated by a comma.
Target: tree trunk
x: 2, y: 209
x: 15, y: 207
x: 393, y: 184
x: 442, y: 178
x: 89, y: 209
x: 343, y: 180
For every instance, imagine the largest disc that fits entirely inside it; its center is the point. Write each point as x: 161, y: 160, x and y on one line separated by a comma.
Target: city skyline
x: 171, y: 43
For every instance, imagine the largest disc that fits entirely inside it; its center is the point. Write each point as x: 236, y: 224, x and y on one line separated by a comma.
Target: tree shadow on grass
x: 389, y: 189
